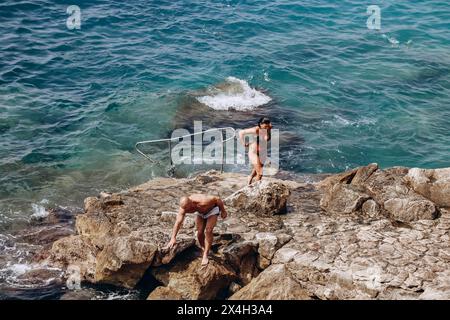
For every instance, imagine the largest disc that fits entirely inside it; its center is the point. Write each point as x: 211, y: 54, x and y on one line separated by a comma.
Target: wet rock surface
x: 363, y: 234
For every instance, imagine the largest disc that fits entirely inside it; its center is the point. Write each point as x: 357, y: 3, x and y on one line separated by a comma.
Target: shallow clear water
x: 74, y: 102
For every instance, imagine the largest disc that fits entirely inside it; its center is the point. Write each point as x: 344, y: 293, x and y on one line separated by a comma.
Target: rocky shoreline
x: 363, y: 234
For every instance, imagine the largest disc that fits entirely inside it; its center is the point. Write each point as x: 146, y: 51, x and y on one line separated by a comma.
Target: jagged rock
x: 433, y: 184
x: 165, y: 293
x: 410, y: 209
x: 121, y: 235
x: 40, y: 275
x: 96, y: 226
x: 263, y: 198
x: 385, y: 190
x: 165, y: 256
x: 388, y: 188
x: 76, y: 251
x: 92, y: 204
x: 58, y: 215
x: 274, y: 283
x: 355, y: 176
x: 362, y: 174
x: 372, y: 238
x: 343, y: 198
x: 371, y: 209
x: 117, y: 242
x: 268, y: 244
x: 124, y: 260
x: 192, y: 282
x: 234, y: 287
x: 242, y: 257
x: 284, y: 255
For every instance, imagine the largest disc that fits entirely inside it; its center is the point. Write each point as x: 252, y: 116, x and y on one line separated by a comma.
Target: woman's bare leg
x: 251, y: 176
x: 259, y: 170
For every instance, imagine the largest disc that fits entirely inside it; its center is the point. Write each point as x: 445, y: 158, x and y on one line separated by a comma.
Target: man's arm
x: 223, y: 211
x: 176, y: 227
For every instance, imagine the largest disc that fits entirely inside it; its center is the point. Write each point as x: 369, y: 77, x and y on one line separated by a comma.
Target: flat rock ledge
x: 363, y: 234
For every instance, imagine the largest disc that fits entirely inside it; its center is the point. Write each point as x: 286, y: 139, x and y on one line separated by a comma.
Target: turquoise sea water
x: 74, y: 102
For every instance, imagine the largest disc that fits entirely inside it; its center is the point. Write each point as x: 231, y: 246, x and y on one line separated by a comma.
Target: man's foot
x: 205, y: 261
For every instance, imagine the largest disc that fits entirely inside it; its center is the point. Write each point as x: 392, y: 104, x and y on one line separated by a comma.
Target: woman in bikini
x: 257, y: 152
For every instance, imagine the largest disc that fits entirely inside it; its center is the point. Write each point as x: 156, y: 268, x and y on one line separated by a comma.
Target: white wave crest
x: 235, y: 94
x: 39, y: 212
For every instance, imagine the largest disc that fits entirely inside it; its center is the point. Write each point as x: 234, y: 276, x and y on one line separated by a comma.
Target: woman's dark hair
x: 263, y: 120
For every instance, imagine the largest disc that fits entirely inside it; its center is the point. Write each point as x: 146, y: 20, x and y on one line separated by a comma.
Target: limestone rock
x: 433, y: 184
x: 274, y: 283
x: 410, y: 209
x: 363, y: 234
x: 371, y: 209
x: 192, y: 282
x: 117, y: 242
x: 388, y: 188
x: 343, y: 198
x: 242, y: 257
x: 165, y: 293
x: 268, y: 244
x: 355, y: 176
x: 385, y: 192
x: 263, y: 198
x: 234, y: 287
x: 76, y: 251
x: 124, y: 260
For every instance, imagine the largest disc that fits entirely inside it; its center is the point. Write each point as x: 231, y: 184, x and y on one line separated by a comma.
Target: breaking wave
x: 234, y: 94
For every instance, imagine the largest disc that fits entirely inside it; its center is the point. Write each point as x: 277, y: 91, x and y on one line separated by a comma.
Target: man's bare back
x: 202, y: 203
x: 207, y: 208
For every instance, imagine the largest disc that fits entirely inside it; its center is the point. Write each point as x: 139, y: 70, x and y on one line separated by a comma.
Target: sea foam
x: 234, y: 94
x: 39, y: 211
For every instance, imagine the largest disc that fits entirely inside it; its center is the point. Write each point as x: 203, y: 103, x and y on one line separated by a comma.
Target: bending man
x: 207, y: 209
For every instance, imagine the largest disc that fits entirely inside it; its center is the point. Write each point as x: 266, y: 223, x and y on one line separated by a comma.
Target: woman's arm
x: 244, y: 132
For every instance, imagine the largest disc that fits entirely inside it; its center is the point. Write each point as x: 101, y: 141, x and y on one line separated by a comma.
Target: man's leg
x: 201, y: 225
x: 210, y: 224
